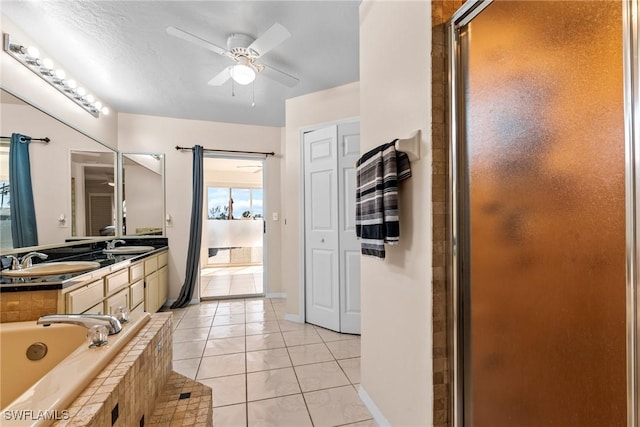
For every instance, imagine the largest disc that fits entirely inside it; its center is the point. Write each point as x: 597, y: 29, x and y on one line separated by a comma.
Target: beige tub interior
x: 17, y: 372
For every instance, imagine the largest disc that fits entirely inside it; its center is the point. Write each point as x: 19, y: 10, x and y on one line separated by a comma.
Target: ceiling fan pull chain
x: 233, y: 85
x: 253, y: 94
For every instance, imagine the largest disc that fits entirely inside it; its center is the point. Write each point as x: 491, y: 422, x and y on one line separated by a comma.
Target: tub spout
x: 87, y: 320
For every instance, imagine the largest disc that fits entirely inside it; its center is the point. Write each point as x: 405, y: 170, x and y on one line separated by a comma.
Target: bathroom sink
x: 53, y: 269
x: 128, y: 250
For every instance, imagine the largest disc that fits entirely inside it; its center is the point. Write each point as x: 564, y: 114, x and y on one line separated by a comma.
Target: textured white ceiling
x: 121, y: 52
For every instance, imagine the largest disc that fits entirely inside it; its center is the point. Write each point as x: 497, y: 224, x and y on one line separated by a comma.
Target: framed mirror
x: 143, y: 194
x: 93, y: 193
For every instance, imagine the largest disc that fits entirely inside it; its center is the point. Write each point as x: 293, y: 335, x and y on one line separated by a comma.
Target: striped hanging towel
x: 377, y: 221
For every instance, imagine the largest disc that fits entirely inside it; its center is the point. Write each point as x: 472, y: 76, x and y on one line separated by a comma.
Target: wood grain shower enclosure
x: 544, y: 188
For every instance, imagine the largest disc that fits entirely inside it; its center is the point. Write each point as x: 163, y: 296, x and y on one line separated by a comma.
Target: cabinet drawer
x: 163, y: 259
x: 85, y: 297
x: 150, y: 265
x: 115, y: 281
x: 136, y: 272
x: 121, y: 299
x: 137, y: 293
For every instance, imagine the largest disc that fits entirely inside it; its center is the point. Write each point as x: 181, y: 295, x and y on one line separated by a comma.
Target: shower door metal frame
x: 458, y: 224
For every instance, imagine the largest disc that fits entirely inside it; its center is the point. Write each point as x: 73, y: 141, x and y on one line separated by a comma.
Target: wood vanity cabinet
x: 141, y: 286
x: 155, y: 279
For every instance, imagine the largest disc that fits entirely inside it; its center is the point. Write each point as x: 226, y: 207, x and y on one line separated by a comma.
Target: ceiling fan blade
x: 176, y: 32
x: 279, y: 76
x: 221, y: 77
x: 270, y: 39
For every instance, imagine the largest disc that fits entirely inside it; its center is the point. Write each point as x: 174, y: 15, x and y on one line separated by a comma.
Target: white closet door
x: 348, y: 154
x: 322, y: 280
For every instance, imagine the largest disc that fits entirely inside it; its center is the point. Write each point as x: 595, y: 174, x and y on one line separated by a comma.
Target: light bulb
x: 72, y: 84
x: 81, y: 91
x: 47, y: 63
x: 33, y: 52
x: 105, y: 111
x: 98, y: 105
x: 243, y: 74
x: 90, y: 98
x: 60, y: 74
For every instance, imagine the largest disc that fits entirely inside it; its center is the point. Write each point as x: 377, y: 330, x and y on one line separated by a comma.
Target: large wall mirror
x: 75, y: 181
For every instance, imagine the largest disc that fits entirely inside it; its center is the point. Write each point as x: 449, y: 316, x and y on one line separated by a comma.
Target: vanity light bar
x: 30, y: 58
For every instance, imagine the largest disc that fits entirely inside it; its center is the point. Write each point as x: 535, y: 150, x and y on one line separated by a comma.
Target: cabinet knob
x: 321, y: 240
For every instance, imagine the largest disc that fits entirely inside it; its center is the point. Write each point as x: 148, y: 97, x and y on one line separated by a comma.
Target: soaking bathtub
x: 37, y: 392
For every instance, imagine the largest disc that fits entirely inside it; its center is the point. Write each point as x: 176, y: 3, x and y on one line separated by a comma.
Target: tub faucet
x: 87, y: 320
x: 112, y: 244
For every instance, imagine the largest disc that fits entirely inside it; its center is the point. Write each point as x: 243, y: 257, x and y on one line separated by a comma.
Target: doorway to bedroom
x: 233, y: 231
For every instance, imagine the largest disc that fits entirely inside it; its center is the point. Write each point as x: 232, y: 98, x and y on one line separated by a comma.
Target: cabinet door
x: 137, y: 310
x: 96, y: 309
x: 163, y: 285
x: 136, y: 293
x: 121, y: 299
x: 151, y: 284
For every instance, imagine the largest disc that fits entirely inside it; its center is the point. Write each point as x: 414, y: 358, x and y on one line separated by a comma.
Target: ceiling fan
x: 244, y: 50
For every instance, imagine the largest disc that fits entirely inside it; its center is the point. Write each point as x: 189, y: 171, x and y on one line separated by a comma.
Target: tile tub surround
x: 28, y: 305
x: 266, y: 371
x: 129, y: 386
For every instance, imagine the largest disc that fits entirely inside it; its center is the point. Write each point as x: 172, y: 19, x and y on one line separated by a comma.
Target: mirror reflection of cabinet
x: 143, y: 202
x: 93, y: 201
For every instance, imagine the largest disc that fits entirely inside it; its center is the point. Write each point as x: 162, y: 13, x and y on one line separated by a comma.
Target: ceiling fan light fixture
x: 242, y: 74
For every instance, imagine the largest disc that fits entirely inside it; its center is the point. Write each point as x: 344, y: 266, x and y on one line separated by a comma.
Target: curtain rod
x: 46, y: 140
x: 226, y: 151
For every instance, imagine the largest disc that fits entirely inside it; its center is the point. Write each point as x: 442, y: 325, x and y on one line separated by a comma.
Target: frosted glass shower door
x: 543, y: 215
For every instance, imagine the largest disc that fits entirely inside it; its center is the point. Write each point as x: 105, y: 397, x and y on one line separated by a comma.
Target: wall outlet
x: 275, y: 216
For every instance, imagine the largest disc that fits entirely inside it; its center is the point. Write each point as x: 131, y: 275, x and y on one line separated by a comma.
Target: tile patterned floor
x: 266, y: 371
x: 231, y: 281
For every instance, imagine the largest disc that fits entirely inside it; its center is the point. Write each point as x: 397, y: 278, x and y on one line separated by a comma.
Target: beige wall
x: 24, y: 83
x: 395, y: 101
x: 326, y: 106
x: 141, y: 133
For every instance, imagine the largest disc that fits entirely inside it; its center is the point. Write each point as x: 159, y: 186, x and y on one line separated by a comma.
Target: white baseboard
x: 293, y: 318
x: 276, y: 295
x: 373, y: 408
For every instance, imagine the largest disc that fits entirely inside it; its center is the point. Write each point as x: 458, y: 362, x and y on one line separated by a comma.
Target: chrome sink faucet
x: 25, y: 261
x: 112, y: 244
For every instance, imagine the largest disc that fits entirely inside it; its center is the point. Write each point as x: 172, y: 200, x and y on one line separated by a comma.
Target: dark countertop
x: 107, y: 262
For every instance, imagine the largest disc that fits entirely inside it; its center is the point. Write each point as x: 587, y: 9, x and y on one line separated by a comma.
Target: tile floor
x: 266, y: 371
x: 231, y: 281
